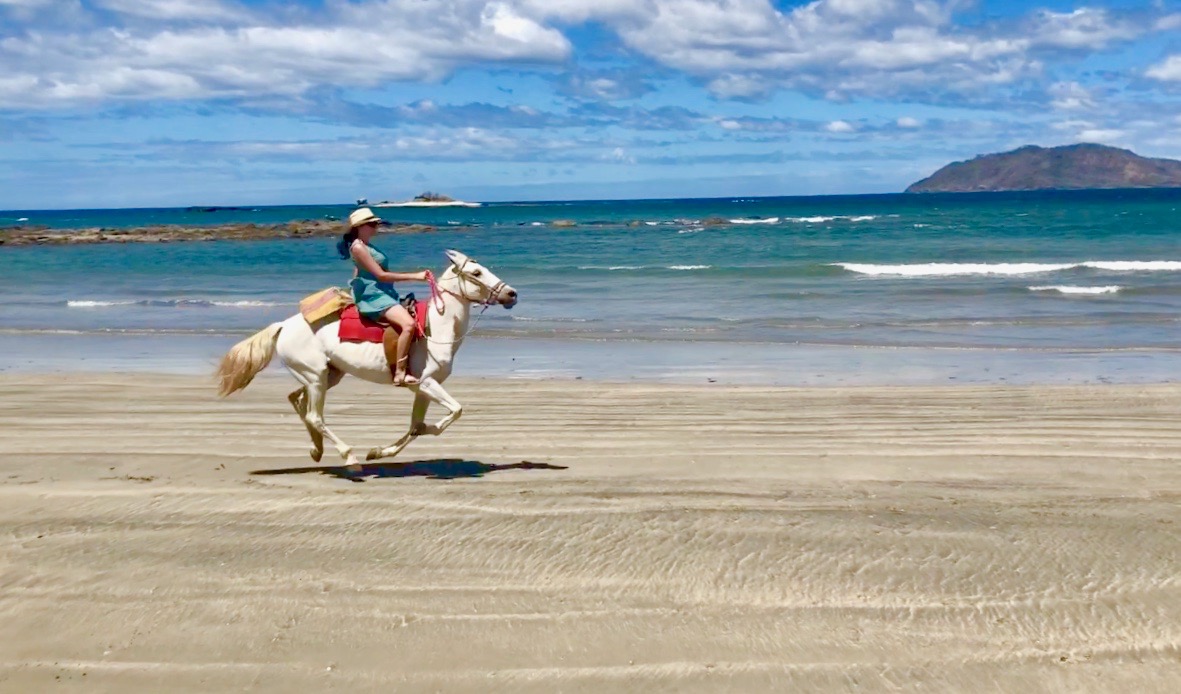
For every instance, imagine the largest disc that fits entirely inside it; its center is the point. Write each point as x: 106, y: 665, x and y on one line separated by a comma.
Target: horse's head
x: 478, y: 284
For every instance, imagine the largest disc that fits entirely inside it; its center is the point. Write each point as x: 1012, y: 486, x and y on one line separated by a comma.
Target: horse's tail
x: 246, y: 359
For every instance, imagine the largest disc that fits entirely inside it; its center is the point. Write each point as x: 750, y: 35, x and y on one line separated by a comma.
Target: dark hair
x: 346, y: 240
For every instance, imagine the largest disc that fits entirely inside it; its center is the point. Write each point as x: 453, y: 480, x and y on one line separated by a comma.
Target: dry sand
x: 661, y: 539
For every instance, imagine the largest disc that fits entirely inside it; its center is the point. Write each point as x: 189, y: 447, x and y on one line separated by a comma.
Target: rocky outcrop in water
x: 168, y: 233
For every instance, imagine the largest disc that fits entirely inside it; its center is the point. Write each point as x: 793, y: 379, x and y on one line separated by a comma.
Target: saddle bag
x: 325, y: 304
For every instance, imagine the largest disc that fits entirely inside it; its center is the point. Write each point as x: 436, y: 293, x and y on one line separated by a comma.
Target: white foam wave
x: 1067, y: 289
x: 611, y: 267
x: 537, y: 319
x: 23, y: 219
x: 1134, y: 265
x: 689, y: 267
x: 819, y: 219
x: 953, y: 269
x: 244, y: 303
x: 98, y: 304
x: 643, y: 267
x: 768, y: 220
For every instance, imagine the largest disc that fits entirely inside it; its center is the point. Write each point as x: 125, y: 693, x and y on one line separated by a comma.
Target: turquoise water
x: 1016, y: 275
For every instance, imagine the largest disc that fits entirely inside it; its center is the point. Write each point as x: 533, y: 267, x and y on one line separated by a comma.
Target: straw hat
x: 362, y: 215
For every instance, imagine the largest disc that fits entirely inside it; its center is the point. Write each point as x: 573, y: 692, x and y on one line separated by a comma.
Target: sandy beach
x: 581, y: 536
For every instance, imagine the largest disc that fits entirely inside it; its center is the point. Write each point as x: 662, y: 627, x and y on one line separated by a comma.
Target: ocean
x: 1061, y: 287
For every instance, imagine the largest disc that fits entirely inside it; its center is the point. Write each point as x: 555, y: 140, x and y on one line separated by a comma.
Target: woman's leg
x: 389, y: 342
x: 403, y: 322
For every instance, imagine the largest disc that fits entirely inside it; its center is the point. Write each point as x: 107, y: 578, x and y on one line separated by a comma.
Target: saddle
x: 356, y: 328
x: 334, y: 301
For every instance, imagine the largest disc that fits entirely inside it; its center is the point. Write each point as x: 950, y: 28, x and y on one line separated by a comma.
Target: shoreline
x: 707, y: 363
x: 954, y: 539
x: 179, y: 233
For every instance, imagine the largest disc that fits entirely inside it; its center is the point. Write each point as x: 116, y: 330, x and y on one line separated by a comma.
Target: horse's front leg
x: 426, y: 392
x: 417, y: 416
x: 434, y: 391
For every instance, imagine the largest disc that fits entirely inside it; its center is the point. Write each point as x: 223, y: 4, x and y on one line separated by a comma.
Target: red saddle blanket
x: 355, y: 328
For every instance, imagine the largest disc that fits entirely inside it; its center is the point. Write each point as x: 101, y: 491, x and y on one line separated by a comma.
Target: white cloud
x: 839, y: 126
x: 1167, y: 71
x: 173, y: 9
x: 1088, y: 131
x: 1102, y: 135
x: 583, y: 10
x: 357, y: 45
x: 830, y: 47
x: 732, y: 86
x: 1083, y: 28
x: 457, y: 144
x: 838, y: 49
x: 843, y: 49
x: 908, y: 122
x: 620, y: 156
x: 1070, y: 96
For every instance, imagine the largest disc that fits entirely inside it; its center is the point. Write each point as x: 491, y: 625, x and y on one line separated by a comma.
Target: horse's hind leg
x: 299, y: 400
x: 316, y: 385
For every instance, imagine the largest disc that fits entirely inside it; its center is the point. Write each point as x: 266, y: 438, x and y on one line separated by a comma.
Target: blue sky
x: 118, y: 103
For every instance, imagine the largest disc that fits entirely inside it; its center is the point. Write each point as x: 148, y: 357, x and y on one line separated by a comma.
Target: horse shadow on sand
x: 438, y: 469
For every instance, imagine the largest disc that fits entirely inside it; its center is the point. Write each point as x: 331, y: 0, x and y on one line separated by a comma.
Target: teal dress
x: 372, y: 296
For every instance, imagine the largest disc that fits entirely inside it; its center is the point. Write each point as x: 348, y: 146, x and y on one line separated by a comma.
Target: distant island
x: 1071, y: 167
x: 428, y: 199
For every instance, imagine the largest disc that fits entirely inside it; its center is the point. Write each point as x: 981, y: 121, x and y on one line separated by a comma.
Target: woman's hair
x: 346, y: 240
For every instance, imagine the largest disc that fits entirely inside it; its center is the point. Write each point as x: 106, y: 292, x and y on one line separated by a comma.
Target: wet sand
x: 585, y: 537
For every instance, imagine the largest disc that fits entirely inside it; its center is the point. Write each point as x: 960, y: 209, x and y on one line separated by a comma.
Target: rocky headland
x: 1071, y: 167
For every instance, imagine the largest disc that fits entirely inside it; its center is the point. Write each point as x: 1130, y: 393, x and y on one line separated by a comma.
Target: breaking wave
x: 1067, y: 289
x: 768, y: 220
x: 820, y: 219
x: 953, y: 269
x: 244, y: 303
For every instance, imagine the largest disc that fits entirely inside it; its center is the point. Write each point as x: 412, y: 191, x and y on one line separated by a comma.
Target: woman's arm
x: 363, y: 258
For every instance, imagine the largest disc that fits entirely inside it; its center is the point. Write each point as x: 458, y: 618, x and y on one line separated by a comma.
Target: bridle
x: 462, y: 275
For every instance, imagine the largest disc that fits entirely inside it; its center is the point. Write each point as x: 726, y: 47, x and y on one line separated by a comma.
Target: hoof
x: 316, y: 454
x: 373, y: 454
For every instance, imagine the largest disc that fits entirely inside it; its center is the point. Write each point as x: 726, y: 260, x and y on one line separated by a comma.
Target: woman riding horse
x: 374, y: 293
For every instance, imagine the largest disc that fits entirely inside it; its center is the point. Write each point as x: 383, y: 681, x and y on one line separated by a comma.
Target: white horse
x: 319, y: 360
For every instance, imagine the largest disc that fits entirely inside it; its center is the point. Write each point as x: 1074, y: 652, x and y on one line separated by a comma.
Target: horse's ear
x: 455, y: 257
